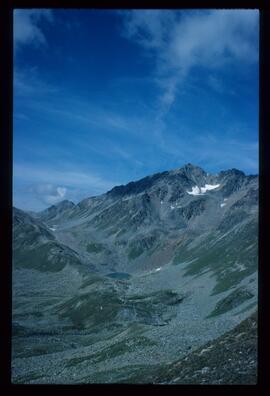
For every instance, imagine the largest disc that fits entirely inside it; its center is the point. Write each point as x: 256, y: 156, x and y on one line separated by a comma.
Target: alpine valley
x: 152, y: 282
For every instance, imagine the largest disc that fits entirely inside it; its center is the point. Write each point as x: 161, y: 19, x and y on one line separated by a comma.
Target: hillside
x: 123, y: 285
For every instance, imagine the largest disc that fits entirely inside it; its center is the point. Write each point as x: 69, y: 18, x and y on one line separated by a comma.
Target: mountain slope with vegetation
x: 154, y: 271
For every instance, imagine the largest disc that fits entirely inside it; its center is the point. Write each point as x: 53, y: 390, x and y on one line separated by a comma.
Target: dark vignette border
x: 6, y: 147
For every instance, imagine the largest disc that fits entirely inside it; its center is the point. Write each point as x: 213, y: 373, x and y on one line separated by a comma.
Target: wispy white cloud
x: 148, y: 28
x: 180, y: 41
x: 47, y: 193
x: 27, y: 28
x: 61, y: 177
x: 212, y: 39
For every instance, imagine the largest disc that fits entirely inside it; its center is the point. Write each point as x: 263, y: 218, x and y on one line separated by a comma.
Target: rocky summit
x: 152, y: 282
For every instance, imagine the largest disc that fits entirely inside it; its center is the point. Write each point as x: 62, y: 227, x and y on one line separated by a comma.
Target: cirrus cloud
x: 27, y: 28
x: 180, y: 41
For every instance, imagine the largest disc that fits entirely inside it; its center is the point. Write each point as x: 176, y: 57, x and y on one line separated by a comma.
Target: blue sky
x: 104, y: 97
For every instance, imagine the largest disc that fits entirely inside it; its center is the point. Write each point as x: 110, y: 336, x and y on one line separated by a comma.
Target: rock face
x: 147, y: 270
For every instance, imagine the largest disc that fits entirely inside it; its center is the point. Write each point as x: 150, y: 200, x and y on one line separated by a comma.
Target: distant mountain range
x: 170, y: 258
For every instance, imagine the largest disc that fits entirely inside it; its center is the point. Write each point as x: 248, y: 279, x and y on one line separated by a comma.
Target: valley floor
x: 156, y: 327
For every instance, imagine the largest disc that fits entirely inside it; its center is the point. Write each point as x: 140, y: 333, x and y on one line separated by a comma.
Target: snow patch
x: 208, y: 187
x: 161, y: 202
x: 223, y: 204
x: 195, y: 191
x: 225, y: 199
x: 202, y: 190
x: 52, y: 229
x: 153, y: 271
x: 172, y: 207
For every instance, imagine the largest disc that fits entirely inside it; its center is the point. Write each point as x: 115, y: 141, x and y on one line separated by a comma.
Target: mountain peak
x: 187, y: 167
x: 65, y: 204
x: 191, y: 172
x: 190, y: 166
x: 191, y: 169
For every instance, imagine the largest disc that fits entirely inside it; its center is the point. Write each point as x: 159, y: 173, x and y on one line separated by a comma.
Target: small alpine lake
x: 119, y: 275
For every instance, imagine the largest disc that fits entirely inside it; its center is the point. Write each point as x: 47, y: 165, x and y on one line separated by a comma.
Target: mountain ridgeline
x: 170, y: 260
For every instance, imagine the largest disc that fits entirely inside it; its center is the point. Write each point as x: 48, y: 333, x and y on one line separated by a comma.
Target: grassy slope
x: 230, y: 258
